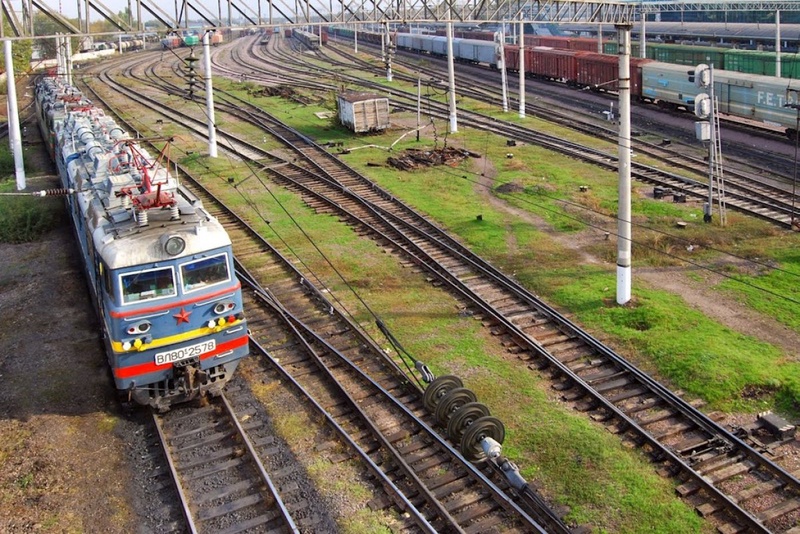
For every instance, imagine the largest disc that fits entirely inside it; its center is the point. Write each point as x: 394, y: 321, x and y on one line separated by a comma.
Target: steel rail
x: 287, y: 517
x: 307, y: 335
x: 577, y: 379
x: 740, y: 200
x: 187, y: 514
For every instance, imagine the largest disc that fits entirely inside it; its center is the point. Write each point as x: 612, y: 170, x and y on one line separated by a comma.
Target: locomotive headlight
x: 174, y: 245
x: 139, y: 328
x: 212, y: 323
x: 223, y: 307
x: 127, y: 345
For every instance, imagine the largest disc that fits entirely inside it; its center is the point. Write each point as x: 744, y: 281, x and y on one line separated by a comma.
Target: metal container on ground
x: 363, y: 112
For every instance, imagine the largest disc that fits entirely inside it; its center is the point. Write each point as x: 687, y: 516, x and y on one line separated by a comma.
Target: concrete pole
x: 501, y: 64
x: 355, y: 39
x: 643, y: 38
x: 58, y: 55
x: 13, y: 118
x: 624, y: 208
x: 521, y: 68
x: 212, y: 131
x: 778, y: 43
x: 419, y: 105
x: 68, y: 58
x: 599, y: 38
x: 62, y: 65
x: 451, y: 79
x: 388, y: 37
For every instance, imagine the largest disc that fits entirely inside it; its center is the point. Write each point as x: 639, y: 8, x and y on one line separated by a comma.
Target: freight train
x: 723, y: 58
x: 159, y: 266
x: 764, y: 99
x: 190, y: 38
x: 311, y: 39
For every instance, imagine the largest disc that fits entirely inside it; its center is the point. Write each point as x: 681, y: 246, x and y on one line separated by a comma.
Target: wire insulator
x: 142, y: 218
x: 53, y: 192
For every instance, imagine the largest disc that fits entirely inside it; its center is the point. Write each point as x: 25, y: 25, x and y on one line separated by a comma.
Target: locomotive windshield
x: 205, y: 272
x: 145, y: 285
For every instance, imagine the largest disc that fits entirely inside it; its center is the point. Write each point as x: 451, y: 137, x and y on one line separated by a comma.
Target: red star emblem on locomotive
x: 182, y: 316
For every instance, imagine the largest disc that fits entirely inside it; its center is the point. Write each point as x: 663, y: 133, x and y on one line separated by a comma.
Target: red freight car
x: 511, y: 57
x: 585, y: 44
x: 601, y: 72
x: 551, y: 64
x: 324, y: 38
x: 287, y: 33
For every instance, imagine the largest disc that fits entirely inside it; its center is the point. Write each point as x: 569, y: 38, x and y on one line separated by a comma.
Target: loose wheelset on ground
x: 484, y: 427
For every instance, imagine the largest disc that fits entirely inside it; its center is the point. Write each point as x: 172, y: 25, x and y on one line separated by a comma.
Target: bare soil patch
x: 699, y: 295
x: 62, y: 467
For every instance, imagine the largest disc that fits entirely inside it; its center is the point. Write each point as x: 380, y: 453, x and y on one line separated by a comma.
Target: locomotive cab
x: 176, y: 328
x: 158, y: 264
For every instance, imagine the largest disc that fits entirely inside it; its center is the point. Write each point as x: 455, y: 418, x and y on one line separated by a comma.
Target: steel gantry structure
x: 223, y: 14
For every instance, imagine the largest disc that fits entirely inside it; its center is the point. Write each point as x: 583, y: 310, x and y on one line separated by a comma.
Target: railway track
x: 380, y: 418
x: 582, y: 117
x: 745, y: 191
x: 411, y: 453
x: 222, y: 483
x: 589, y: 375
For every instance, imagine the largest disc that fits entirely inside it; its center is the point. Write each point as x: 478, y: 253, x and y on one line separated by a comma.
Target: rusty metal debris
x: 413, y: 158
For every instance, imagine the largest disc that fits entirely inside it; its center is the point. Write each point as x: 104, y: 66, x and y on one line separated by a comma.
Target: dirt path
x: 699, y: 295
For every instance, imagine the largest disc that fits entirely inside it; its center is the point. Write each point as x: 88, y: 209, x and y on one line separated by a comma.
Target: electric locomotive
x: 159, y: 266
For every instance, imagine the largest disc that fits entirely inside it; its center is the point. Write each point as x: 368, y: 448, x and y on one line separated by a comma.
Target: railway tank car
x: 159, y: 266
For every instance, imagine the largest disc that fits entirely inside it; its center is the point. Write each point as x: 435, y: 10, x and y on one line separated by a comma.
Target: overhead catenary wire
x: 574, y: 218
x: 379, y: 322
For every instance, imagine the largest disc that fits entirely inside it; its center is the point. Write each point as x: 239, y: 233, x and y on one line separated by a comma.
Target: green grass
x: 753, y: 375
x: 431, y: 328
x: 25, y: 218
x: 575, y: 461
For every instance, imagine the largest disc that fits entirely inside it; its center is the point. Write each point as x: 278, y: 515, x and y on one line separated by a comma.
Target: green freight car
x: 611, y: 47
x: 762, y: 63
x: 686, y: 54
x: 190, y: 39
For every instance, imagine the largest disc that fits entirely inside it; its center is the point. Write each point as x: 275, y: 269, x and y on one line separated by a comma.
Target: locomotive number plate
x: 185, y: 352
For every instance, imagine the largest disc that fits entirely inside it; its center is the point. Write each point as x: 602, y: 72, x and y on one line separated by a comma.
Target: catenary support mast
x: 624, y: 207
